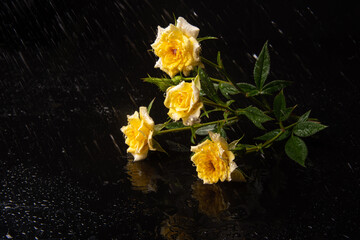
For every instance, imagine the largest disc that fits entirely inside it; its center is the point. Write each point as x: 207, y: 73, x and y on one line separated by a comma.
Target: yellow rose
x: 138, y: 134
x: 177, y: 48
x: 183, y: 101
x: 213, y: 160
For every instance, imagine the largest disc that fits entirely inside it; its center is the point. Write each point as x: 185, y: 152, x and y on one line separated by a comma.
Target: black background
x: 71, y: 71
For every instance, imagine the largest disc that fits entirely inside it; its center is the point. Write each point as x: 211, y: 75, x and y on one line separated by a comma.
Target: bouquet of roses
x: 193, y: 98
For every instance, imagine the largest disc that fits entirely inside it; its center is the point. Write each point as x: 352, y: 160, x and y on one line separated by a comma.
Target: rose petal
x: 187, y: 28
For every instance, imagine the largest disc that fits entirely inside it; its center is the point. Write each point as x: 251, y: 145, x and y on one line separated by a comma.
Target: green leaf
x: 249, y: 89
x: 296, y: 149
x: 206, y: 112
x: 246, y: 87
x: 158, y: 127
x: 234, y: 143
x: 255, y: 115
x: 208, y: 87
x: 272, y: 134
x: 197, y: 82
x: 157, y: 146
x: 268, y: 135
x: 221, y: 131
x: 193, y: 136
x: 225, y: 115
x: 275, y: 86
x: 285, y: 114
x: 174, y: 125
x: 227, y: 89
x: 219, y: 61
x: 304, y: 117
x: 205, y: 129
x: 162, y: 83
x: 262, y: 67
x: 228, y: 103
x: 279, y: 105
x: 205, y: 38
x: 243, y: 147
x: 150, y: 106
x: 306, y: 129
x: 177, y: 79
x: 285, y: 135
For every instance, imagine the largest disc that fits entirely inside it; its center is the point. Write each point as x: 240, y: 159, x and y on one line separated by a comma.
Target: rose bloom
x: 183, y: 101
x: 177, y: 48
x: 138, y: 134
x: 213, y: 160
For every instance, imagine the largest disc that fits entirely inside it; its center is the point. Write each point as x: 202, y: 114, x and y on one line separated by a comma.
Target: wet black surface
x: 70, y: 72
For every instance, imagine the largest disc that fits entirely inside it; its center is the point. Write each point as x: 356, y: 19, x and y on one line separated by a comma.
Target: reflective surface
x: 71, y: 72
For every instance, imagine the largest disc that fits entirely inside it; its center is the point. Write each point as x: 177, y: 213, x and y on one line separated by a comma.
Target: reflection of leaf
x: 142, y: 176
x: 210, y: 198
x: 237, y: 176
x: 177, y: 227
x: 177, y: 147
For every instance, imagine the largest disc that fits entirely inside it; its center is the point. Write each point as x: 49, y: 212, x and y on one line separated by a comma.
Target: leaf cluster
x: 268, y: 112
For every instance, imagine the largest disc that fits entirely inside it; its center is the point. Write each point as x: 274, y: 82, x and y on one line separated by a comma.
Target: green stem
x: 229, y: 81
x: 209, y: 62
x: 217, y: 80
x: 281, y: 126
x: 222, y: 71
x: 210, y: 103
x: 270, y: 141
x: 195, y: 126
x: 212, y: 79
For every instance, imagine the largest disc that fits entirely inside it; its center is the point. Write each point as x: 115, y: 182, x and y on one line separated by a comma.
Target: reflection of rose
x: 183, y: 102
x: 213, y: 160
x: 177, y: 227
x: 210, y: 197
x: 138, y: 134
x: 142, y: 176
x: 177, y: 48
